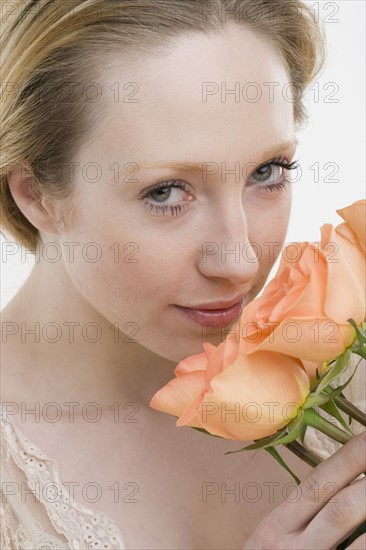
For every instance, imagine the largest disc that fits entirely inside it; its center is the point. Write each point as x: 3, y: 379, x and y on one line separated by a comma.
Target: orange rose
x: 311, y: 367
x: 234, y: 396
x: 304, y: 310
x: 355, y: 218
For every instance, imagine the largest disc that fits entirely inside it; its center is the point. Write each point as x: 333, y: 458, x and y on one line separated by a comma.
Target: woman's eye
x: 273, y: 175
x: 164, y: 194
x: 173, y: 197
x: 270, y: 173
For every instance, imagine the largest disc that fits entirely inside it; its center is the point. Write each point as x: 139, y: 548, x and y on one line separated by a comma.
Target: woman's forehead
x: 157, y: 106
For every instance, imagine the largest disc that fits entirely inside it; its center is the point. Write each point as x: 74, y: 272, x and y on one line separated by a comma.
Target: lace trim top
x: 36, y: 510
x: 51, y: 520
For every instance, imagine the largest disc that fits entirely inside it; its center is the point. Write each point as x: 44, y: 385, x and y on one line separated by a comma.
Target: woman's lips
x: 214, y: 316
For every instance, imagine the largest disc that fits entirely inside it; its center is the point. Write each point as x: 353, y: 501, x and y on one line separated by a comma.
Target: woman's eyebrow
x: 197, y: 167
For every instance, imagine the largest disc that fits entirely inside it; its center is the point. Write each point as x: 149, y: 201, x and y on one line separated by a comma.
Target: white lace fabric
x: 36, y: 510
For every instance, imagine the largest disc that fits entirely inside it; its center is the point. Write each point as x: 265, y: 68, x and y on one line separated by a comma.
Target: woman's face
x: 215, y: 239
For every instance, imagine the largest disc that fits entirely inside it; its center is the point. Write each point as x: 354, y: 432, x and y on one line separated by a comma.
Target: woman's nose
x: 226, y: 251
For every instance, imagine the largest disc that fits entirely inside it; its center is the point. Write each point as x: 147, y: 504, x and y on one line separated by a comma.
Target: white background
x: 335, y: 134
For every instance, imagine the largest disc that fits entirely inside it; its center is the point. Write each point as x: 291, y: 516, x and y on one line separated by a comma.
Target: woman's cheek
x: 267, y: 227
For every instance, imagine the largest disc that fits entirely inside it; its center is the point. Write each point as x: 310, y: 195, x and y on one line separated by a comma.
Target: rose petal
x: 179, y: 394
x: 355, y: 216
x: 271, y: 382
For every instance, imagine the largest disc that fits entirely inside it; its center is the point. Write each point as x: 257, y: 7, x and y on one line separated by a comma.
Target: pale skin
x: 171, y: 466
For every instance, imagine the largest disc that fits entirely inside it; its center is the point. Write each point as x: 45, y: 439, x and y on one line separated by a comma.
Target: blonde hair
x: 46, y: 45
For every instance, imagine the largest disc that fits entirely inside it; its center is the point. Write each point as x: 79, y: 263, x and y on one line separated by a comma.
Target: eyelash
x: 179, y: 184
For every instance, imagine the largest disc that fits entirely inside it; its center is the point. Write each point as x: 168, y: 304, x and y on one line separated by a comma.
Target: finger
x: 323, y: 483
x: 358, y: 544
x: 339, y: 517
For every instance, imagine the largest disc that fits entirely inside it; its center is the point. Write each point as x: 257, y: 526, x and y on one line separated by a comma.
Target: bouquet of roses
x: 281, y: 365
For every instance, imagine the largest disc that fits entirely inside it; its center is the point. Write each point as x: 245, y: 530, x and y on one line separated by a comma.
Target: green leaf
x: 320, y: 398
x: 259, y: 443
x: 238, y: 451
x: 359, y: 344
x: 333, y: 392
x: 303, y: 432
x: 360, y: 333
x: 287, y: 438
x: 337, y: 369
x: 317, y: 421
x: 332, y: 409
x: 296, y: 422
x: 327, y: 365
x: 360, y: 350
x: 315, y: 399
x: 275, y: 454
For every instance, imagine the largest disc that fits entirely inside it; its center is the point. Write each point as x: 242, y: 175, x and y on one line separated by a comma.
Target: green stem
x: 360, y: 530
x: 361, y: 351
x: 312, y: 418
x: 303, y: 453
x: 359, y: 345
x: 350, y: 409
